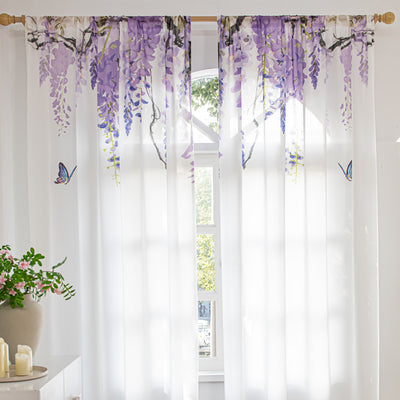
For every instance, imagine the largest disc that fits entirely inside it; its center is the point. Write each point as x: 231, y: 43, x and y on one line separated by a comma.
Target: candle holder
x: 38, y: 372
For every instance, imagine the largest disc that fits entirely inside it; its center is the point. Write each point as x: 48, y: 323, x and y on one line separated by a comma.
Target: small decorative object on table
x: 22, y: 284
x: 4, y: 359
x: 23, y: 370
x: 23, y: 361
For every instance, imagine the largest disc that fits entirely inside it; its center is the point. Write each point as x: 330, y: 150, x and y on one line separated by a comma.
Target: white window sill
x: 211, y: 376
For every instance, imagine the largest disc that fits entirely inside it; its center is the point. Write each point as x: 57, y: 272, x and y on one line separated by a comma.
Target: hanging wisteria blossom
x: 289, y: 54
x: 114, y: 56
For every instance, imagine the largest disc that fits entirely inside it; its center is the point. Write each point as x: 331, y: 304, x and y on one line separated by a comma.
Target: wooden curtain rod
x: 387, y: 18
x: 5, y: 19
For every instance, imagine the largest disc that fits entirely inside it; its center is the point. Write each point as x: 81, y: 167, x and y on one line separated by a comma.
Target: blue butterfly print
x: 349, y: 172
x: 63, y: 175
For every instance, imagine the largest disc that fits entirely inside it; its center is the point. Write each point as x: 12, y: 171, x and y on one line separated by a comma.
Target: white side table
x: 63, y: 382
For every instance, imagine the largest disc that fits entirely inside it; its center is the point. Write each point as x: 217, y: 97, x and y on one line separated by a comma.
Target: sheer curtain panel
x: 298, y: 193
x: 107, y: 168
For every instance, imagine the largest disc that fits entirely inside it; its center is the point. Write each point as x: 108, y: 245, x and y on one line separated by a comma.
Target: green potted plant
x: 23, y: 283
x: 18, y: 277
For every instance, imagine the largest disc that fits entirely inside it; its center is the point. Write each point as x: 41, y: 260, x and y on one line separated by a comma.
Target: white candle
x: 6, y: 359
x: 2, y: 370
x: 22, y: 366
x: 24, y: 349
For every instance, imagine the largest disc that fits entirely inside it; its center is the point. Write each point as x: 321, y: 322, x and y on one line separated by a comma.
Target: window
x: 205, y: 122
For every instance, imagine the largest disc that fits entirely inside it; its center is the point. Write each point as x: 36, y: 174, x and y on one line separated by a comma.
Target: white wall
x: 388, y: 131
x: 387, y: 81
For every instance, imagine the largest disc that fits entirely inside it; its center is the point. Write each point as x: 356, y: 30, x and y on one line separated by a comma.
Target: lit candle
x: 24, y: 349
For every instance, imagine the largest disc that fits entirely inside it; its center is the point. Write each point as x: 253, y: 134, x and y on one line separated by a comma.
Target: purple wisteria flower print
x: 287, y: 55
x: 293, y: 160
x: 60, y: 60
x: 117, y: 57
x: 108, y: 77
x: 54, y: 65
x: 138, y: 57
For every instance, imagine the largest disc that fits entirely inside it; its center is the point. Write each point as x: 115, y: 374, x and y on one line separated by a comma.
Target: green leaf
x: 59, y: 264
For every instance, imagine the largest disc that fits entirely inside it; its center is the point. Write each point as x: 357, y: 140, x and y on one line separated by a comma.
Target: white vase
x: 21, y: 325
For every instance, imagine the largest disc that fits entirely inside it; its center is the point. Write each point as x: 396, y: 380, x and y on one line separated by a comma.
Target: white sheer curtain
x: 109, y: 96
x: 13, y: 208
x: 300, y: 255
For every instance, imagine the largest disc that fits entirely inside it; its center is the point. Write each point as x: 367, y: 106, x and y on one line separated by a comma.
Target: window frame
x: 207, y: 155
x: 210, y: 159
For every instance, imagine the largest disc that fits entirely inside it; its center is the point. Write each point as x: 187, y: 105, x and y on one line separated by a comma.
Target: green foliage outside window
x: 206, y: 262
x: 205, y: 95
x: 205, y: 243
x: 203, y: 193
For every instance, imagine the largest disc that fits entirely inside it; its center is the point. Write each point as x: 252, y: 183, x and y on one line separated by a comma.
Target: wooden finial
x: 6, y: 19
x: 387, y: 18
